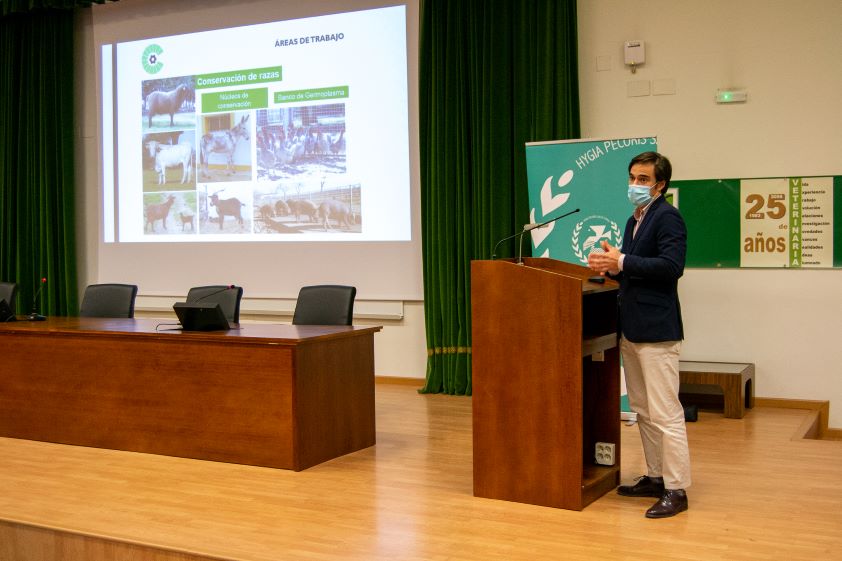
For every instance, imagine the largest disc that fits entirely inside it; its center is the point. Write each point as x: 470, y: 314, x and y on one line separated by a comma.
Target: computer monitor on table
x: 201, y: 316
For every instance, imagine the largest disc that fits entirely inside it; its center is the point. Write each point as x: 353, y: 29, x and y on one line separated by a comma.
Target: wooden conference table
x: 279, y: 396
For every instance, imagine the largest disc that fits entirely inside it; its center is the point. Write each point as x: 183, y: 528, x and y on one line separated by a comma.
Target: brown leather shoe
x: 644, y: 487
x: 673, y: 502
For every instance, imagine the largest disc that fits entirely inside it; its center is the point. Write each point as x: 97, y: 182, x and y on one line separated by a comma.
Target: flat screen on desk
x: 202, y: 316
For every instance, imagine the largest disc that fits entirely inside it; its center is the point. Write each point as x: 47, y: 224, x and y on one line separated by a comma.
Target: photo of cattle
x: 224, y: 147
x: 169, y: 104
x: 169, y: 161
x: 300, y: 207
x: 225, y: 209
x: 169, y: 213
x: 301, y: 143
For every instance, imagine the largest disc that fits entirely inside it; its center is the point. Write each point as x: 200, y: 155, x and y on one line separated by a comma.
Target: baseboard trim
x: 815, y: 426
x: 833, y: 434
x: 399, y: 380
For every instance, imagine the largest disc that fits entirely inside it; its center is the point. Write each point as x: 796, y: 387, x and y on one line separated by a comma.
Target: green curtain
x: 37, y: 154
x: 492, y: 76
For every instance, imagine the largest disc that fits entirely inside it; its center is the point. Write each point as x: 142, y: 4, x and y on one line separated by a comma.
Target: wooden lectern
x: 546, y: 382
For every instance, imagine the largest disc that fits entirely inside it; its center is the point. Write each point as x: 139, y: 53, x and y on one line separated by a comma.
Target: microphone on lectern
x: 528, y: 228
x: 214, y: 293
x: 533, y: 226
x: 494, y: 252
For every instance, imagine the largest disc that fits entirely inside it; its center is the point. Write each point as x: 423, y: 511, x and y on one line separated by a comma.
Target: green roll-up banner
x: 591, y: 175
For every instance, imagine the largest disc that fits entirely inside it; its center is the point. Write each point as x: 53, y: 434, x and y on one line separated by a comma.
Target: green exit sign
x: 731, y: 96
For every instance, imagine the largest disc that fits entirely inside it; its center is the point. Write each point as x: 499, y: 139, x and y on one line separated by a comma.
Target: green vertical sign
x: 795, y: 237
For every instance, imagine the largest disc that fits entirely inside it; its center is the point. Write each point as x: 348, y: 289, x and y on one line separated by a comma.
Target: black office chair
x: 8, y: 290
x: 326, y: 304
x: 108, y: 301
x: 227, y: 298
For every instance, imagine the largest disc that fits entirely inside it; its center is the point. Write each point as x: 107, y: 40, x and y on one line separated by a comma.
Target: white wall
x: 787, y: 54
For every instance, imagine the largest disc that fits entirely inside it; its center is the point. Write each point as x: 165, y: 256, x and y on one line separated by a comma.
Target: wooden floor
x: 757, y: 494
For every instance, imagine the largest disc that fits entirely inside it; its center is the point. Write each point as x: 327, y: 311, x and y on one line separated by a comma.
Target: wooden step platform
x: 733, y: 380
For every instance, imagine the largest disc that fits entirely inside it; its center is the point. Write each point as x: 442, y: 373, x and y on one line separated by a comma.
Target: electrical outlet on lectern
x: 605, y: 453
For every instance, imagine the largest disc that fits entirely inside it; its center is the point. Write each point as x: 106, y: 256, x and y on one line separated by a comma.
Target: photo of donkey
x: 225, y: 147
x: 169, y: 104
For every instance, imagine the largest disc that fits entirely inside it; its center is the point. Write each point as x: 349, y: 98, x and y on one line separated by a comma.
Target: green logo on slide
x: 151, y: 59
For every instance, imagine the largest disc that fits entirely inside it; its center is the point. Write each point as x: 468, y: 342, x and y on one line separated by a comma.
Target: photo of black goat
x: 225, y: 211
x: 168, y: 104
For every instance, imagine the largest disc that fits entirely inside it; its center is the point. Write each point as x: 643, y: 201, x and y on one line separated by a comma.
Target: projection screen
x: 272, y: 154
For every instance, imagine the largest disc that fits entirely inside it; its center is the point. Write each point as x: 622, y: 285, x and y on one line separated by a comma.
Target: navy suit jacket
x: 653, y: 263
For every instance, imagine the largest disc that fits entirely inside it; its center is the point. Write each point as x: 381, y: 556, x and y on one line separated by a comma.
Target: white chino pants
x: 652, y: 383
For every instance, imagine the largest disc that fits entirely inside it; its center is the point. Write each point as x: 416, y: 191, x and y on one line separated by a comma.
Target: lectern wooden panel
x: 546, y: 385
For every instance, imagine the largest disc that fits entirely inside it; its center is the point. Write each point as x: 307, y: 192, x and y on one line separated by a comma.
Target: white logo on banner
x: 599, y: 228
x: 549, y: 203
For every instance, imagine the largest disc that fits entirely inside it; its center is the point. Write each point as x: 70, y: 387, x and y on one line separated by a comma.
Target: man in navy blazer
x: 648, y: 269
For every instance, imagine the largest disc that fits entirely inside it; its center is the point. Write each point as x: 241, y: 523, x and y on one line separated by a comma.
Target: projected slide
x: 285, y: 131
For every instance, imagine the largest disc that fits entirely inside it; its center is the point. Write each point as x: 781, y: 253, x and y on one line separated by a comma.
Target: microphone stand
x: 34, y: 315
x: 494, y: 252
x: 214, y: 293
x: 520, y: 247
x: 529, y: 228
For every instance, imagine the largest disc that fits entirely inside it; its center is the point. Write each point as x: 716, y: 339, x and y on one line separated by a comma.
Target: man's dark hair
x: 663, y: 167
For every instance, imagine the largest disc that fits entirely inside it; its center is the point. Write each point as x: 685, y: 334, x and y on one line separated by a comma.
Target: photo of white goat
x: 169, y: 161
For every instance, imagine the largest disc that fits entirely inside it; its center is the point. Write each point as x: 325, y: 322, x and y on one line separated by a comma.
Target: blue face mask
x: 639, y: 195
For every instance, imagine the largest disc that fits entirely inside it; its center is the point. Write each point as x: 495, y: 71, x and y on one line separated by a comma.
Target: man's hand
x: 607, y: 262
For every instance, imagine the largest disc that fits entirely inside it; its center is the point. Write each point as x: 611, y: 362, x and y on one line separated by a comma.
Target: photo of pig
x: 169, y: 213
x: 338, y: 212
x: 300, y: 207
x: 301, y: 143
